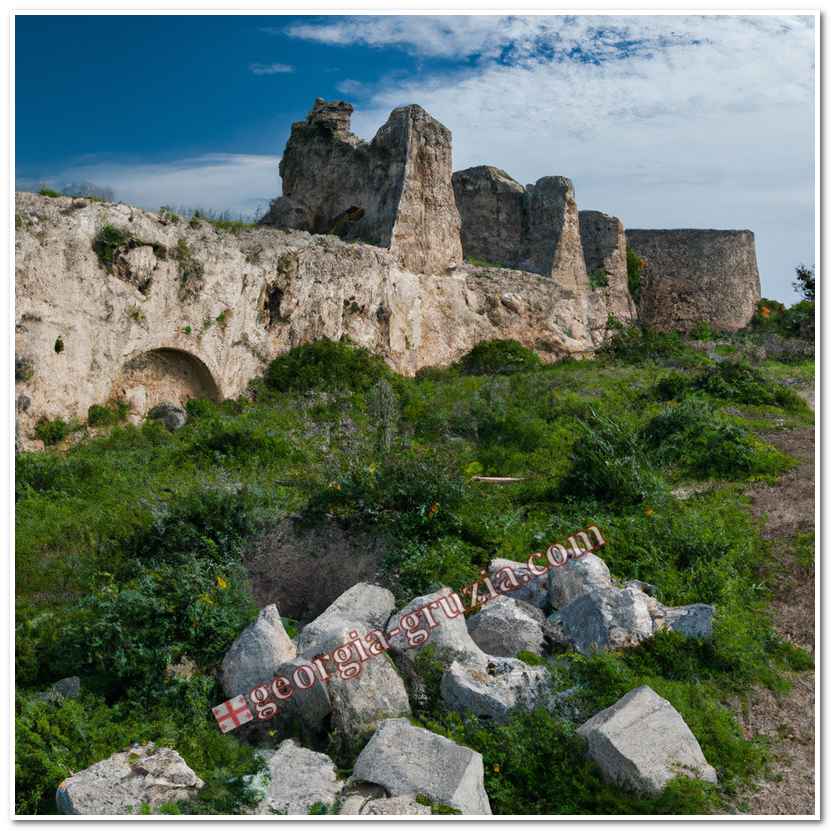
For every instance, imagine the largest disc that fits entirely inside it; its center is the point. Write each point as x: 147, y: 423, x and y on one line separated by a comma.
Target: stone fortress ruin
x: 379, y: 242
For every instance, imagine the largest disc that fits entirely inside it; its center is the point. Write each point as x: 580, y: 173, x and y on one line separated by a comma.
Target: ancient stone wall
x: 394, y: 192
x: 534, y: 228
x: 693, y: 276
x: 604, y: 251
x: 188, y: 311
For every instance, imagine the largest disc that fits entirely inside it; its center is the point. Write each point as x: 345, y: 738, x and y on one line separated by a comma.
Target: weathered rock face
x: 121, y: 784
x: 492, y: 207
x: 394, y: 192
x: 604, y: 251
x: 506, y: 627
x: 641, y: 742
x: 534, y: 228
x: 494, y: 692
x: 256, y: 654
x: 411, y: 760
x: 300, y: 778
x: 692, y: 276
x: 87, y: 335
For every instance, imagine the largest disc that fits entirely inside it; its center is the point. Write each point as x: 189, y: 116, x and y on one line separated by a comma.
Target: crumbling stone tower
x: 534, y: 228
x: 394, y: 191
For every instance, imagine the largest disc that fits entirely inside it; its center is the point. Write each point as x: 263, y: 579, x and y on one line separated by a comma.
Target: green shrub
x: 414, y: 493
x: 608, y: 463
x: 326, y: 365
x: 701, y: 443
x: 422, y: 567
x: 108, y: 240
x: 107, y: 415
x: 634, y: 345
x: 49, y: 192
x: 52, y: 431
x: 498, y: 357
x: 634, y: 267
x: 598, y: 279
x: 743, y: 384
x: 702, y: 331
x: 54, y: 741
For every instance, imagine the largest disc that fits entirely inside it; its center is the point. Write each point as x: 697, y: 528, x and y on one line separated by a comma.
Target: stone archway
x: 164, y: 374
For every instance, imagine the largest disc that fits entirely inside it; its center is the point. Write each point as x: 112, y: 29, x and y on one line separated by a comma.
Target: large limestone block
x: 139, y: 776
x: 256, y: 654
x: 434, y: 619
x: 309, y: 703
x: 609, y: 618
x: 505, y: 627
x: 641, y: 742
x: 493, y: 693
x: 364, y: 604
x: 300, y: 778
x: 395, y: 191
x: 576, y: 577
x: 411, y: 760
x: 360, y: 703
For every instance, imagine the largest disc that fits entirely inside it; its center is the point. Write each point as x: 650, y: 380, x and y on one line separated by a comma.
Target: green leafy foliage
x: 598, y: 279
x: 634, y: 267
x: 51, y: 431
x: 498, y: 357
x: 130, y: 545
x: 326, y: 365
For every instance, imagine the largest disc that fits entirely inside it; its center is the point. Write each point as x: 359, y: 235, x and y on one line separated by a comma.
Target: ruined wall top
x: 394, y: 191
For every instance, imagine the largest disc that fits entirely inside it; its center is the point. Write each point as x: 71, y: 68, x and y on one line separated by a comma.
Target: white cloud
x: 707, y: 122
x: 351, y: 87
x: 239, y: 184
x: 270, y: 68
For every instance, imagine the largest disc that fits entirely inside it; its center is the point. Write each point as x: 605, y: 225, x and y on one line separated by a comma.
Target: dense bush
x: 498, y: 357
x: 326, y: 365
x: 741, y: 383
x: 634, y: 266
x: 52, y: 431
x: 701, y: 443
x: 634, y: 345
x: 609, y: 463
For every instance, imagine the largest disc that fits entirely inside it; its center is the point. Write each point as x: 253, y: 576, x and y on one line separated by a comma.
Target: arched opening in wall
x: 164, y: 375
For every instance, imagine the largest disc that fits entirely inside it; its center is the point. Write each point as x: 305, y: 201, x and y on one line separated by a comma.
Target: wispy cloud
x: 271, y: 68
x: 351, y: 87
x: 239, y: 184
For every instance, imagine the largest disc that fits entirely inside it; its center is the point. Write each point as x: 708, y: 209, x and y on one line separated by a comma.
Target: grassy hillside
x: 129, y: 547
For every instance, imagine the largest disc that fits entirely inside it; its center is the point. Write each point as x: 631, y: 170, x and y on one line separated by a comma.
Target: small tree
x: 804, y: 282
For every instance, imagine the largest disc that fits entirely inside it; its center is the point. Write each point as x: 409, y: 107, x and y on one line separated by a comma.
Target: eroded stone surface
x: 121, y: 784
x: 641, y: 742
x: 505, y: 627
x: 394, y: 191
x: 506, y: 683
x: 300, y: 778
x: 262, y: 292
x: 407, y: 760
x: 256, y: 654
x: 693, y: 275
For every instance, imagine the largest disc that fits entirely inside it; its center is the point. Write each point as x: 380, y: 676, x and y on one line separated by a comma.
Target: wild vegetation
x: 129, y: 569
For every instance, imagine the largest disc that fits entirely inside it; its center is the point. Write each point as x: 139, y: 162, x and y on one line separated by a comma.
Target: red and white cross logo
x: 231, y: 714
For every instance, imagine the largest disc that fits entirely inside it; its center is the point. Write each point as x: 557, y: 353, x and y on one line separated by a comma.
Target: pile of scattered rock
x: 641, y: 742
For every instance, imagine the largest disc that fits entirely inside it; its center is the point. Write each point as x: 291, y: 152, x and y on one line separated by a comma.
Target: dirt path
x: 787, y: 722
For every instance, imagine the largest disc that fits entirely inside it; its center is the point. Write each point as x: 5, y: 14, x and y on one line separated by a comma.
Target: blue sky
x: 663, y: 121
